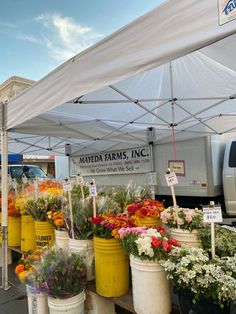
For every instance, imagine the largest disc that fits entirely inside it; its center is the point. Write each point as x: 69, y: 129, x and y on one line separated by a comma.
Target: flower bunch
x: 186, y: 218
x: 145, y: 208
x: 192, y: 270
x: 20, y: 204
x: 57, y: 219
x: 12, y: 210
x: 38, y: 208
x: 147, y: 243
x: 108, y: 225
x: 27, y: 269
x: 63, y: 273
x: 50, y: 185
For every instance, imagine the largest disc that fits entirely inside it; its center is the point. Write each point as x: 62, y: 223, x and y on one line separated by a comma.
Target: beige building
x: 14, y: 86
x: 9, y: 89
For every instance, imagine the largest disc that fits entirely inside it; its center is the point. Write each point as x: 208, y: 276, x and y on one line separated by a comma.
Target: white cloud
x: 64, y: 37
x: 30, y: 38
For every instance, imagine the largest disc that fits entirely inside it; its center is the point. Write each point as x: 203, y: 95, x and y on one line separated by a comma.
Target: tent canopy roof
x: 173, y: 67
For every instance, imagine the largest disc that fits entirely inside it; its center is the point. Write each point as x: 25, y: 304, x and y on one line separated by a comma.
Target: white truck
x: 207, y: 171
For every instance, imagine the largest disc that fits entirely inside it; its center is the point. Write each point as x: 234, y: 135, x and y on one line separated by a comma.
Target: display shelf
x: 16, y: 249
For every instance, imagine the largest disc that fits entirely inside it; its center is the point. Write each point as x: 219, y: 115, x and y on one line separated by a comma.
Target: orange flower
x: 19, y: 269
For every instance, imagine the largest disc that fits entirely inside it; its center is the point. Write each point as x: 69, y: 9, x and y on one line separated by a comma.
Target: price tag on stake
x: 212, y: 214
x: 36, y: 185
x: 14, y: 184
x: 79, y: 179
x: 67, y: 186
x: 92, y: 190
x: 171, y: 179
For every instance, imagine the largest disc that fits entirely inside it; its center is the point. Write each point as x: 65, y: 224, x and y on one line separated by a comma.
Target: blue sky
x: 38, y: 35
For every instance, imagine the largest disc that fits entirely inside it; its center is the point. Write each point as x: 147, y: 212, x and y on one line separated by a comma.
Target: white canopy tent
x: 172, y: 69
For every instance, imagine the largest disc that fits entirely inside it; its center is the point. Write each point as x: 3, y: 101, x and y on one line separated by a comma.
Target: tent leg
x: 4, y: 141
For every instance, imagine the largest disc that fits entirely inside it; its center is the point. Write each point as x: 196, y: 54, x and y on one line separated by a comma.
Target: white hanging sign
x: 14, y: 184
x: 36, y: 184
x: 171, y: 179
x: 212, y: 214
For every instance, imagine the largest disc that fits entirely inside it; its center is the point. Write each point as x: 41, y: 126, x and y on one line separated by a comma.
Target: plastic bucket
x: 149, y: 222
x: 61, y: 239
x: 73, y: 305
x: 185, y: 237
x: 27, y: 233
x: 44, y: 234
x: 111, y: 267
x: 37, y: 302
x: 14, y: 231
x: 85, y: 249
x: 151, y: 289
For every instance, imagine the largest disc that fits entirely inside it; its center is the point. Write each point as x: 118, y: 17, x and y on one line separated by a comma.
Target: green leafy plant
x: 192, y: 270
x: 63, y: 273
x: 225, y: 240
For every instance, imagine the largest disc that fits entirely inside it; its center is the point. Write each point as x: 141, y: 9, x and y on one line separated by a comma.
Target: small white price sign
x: 67, y: 186
x: 171, y: 179
x: 24, y: 180
x: 36, y: 184
x: 79, y: 180
x: 212, y: 214
x: 92, y: 190
x: 14, y: 184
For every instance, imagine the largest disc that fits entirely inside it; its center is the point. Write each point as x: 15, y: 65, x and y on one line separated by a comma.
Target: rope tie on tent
x: 172, y: 125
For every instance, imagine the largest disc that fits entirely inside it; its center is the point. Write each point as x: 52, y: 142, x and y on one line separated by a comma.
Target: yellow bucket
x: 14, y: 231
x: 44, y: 234
x: 27, y: 233
x: 111, y: 267
x: 149, y: 222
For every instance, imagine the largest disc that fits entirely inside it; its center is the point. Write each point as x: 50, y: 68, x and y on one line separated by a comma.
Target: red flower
x: 165, y: 245
x: 96, y: 220
x: 173, y: 242
x: 156, y: 242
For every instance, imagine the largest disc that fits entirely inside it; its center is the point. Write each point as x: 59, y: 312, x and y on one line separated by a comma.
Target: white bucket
x: 85, y: 249
x: 185, y: 237
x: 61, y: 239
x: 151, y: 289
x: 73, y: 305
x: 37, y: 302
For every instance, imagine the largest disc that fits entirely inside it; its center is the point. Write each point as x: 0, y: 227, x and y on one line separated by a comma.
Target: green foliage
x: 225, y: 240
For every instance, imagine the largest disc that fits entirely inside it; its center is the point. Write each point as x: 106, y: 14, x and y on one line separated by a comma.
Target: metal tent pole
x: 4, y: 185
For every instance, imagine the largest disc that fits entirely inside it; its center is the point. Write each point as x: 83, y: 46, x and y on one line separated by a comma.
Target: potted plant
x: 203, y: 285
x: 64, y: 278
x: 145, y: 212
x: 27, y: 272
x: 146, y: 247
x: 113, y: 279
x: 183, y: 224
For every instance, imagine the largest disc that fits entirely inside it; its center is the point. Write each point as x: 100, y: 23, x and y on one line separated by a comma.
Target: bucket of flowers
x: 203, y: 285
x: 146, y: 247
x: 64, y: 278
x: 112, y: 280
x: 28, y: 273
x: 145, y: 212
x: 183, y: 224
